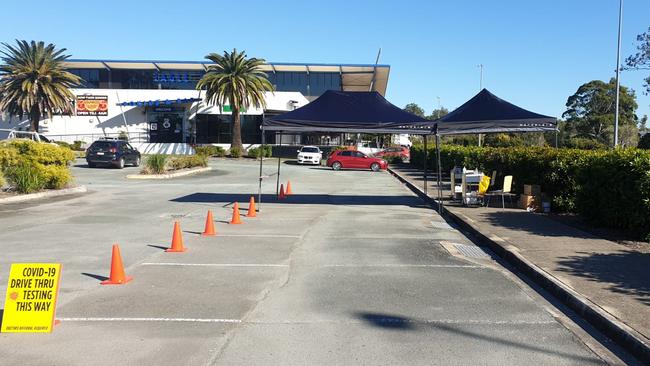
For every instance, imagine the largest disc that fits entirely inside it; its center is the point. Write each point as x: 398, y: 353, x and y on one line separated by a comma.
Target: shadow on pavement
x: 397, y: 322
x: 625, y: 271
x: 97, y: 277
x: 520, y: 220
x: 316, y: 199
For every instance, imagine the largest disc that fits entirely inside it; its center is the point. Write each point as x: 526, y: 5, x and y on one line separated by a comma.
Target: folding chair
x: 506, y: 191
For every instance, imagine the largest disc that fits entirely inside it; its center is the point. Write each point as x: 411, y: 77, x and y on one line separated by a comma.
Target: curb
x: 626, y: 337
x: 170, y: 175
x: 45, y: 194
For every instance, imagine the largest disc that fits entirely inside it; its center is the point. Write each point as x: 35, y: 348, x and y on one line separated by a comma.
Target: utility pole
x: 618, y: 70
x: 480, y: 66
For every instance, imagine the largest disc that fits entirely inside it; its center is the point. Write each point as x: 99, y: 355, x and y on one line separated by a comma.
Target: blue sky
x: 536, y: 53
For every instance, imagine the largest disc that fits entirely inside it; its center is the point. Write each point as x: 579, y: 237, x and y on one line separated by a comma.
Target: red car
x: 351, y: 159
x: 402, y: 152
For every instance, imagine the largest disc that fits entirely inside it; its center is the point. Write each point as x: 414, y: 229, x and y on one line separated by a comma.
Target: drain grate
x: 471, y: 251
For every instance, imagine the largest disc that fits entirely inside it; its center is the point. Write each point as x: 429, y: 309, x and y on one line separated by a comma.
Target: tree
x: 641, y: 60
x: 590, y: 111
x: 237, y: 80
x: 415, y: 109
x: 34, y: 81
x: 438, y: 113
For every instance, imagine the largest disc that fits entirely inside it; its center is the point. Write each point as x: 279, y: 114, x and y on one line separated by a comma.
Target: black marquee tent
x: 353, y: 112
x: 487, y: 113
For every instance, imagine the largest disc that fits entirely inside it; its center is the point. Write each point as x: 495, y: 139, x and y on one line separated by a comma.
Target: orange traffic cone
x: 251, y: 208
x: 117, y: 269
x: 209, y: 225
x: 282, y: 196
x: 177, y: 239
x: 235, y: 214
x: 288, y: 192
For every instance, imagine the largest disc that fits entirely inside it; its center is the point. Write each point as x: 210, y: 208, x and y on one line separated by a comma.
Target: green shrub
x: 235, y: 152
x: 3, y: 182
x: 31, y: 166
x: 63, y: 144
x: 156, y: 163
x: 77, y: 145
x: 268, y: 150
x: 36, y: 152
x: 585, y: 143
x: 25, y: 178
x: 264, y: 150
x: 607, y: 187
x: 189, y: 161
x: 122, y: 135
x: 210, y: 150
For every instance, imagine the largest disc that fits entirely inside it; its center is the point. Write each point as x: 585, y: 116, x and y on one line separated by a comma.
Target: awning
x: 158, y: 102
x: 353, y: 112
x: 487, y: 113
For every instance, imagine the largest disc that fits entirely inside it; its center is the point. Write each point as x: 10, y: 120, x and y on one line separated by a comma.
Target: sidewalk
x: 610, y: 277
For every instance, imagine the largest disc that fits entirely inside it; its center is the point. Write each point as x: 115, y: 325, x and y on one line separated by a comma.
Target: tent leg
x: 556, y: 139
x: 277, y: 181
x: 426, y: 157
x: 439, y: 168
x: 259, y: 188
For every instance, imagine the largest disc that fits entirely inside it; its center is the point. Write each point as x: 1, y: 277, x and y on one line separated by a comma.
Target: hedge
x: 607, y: 187
x: 31, y: 166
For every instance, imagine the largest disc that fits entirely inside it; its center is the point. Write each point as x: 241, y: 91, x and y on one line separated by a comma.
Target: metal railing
x: 88, y: 138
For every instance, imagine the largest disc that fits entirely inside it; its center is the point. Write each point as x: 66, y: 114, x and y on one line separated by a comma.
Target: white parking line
x: 259, y: 235
x: 406, y: 265
x: 216, y: 264
x: 185, y: 320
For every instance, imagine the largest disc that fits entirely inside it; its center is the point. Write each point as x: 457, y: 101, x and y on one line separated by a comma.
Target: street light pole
x: 618, y: 70
x: 479, y: 89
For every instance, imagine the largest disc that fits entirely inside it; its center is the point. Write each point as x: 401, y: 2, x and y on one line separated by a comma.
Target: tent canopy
x: 487, y: 113
x: 353, y: 112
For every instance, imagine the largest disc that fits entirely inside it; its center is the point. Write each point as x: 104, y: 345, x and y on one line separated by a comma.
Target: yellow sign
x: 31, y: 298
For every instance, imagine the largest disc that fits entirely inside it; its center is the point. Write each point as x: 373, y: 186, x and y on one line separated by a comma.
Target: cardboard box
x: 527, y: 201
x: 532, y: 189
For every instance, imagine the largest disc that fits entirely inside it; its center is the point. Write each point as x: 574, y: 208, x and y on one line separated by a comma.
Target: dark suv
x: 117, y: 153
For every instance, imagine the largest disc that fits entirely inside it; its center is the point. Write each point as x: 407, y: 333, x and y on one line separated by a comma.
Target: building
x: 156, y: 101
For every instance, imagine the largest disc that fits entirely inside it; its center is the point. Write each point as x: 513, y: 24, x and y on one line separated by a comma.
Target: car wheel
x: 374, y: 167
x: 120, y: 163
x: 137, y: 161
x: 337, y: 165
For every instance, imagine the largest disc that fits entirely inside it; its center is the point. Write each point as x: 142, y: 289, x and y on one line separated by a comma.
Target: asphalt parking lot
x: 348, y: 270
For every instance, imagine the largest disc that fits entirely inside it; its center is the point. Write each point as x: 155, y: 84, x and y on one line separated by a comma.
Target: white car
x: 6, y: 134
x: 310, y: 155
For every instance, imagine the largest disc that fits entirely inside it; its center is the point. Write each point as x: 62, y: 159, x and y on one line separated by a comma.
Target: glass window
x: 346, y: 153
x: 359, y: 154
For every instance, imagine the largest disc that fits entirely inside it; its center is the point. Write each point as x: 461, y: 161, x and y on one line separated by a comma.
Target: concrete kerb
x: 619, y: 332
x: 44, y: 194
x: 169, y: 175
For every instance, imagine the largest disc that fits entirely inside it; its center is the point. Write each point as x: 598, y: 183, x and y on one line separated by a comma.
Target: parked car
x: 6, y: 134
x: 401, y: 152
x: 352, y: 159
x: 112, y: 152
x: 310, y: 155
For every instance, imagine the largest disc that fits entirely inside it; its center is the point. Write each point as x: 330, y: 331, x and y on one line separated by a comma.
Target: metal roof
x: 354, y: 77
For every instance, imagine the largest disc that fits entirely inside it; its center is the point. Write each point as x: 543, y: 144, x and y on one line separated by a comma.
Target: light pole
x: 618, y: 70
x: 480, y: 66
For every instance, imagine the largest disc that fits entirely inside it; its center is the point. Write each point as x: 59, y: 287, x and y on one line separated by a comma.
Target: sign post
x: 30, y: 302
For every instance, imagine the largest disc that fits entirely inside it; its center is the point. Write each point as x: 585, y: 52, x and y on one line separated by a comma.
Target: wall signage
x: 92, y: 105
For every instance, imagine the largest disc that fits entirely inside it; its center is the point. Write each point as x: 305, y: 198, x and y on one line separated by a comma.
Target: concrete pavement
x: 349, y: 270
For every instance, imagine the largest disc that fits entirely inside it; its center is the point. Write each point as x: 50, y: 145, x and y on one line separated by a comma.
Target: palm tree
x: 237, y: 80
x: 34, y: 82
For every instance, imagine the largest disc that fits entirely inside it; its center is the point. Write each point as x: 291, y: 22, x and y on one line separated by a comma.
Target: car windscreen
x: 101, y: 145
x: 309, y: 150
